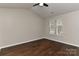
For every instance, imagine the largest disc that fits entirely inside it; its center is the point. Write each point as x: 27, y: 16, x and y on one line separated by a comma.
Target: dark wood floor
x: 42, y: 47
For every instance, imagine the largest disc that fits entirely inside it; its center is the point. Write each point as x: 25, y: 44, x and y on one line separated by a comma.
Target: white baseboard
x: 19, y: 43
x: 37, y: 39
x: 63, y: 42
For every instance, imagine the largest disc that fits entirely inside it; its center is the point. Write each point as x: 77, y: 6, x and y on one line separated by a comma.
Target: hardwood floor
x: 42, y: 47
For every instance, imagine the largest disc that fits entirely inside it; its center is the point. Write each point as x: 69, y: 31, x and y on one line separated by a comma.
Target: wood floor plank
x: 42, y: 47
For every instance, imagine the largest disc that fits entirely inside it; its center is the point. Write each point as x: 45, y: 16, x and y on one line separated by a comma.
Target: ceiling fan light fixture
x: 41, y: 4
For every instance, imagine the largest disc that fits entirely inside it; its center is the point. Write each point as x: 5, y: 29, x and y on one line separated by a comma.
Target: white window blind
x: 56, y: 27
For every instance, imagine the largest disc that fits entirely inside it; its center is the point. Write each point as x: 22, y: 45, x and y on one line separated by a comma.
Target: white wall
x: 70, y: 26
x: 19, y: 25
x: 22, y: 25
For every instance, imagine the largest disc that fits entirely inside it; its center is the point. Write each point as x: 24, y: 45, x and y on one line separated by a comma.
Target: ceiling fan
x: 40, y: 4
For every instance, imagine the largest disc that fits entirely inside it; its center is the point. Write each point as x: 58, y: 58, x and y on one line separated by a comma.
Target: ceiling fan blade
x: 36, y: 4
x: 45, y: 5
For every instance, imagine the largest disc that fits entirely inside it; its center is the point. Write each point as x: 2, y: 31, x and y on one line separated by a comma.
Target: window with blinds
x: 56, y: 27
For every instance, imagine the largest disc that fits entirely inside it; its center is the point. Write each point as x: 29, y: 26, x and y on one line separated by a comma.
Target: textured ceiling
x: 45, y: 12
x: 16, y: 5
x: 56, y: 9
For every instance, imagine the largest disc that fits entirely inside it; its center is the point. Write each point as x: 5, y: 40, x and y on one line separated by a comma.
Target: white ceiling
x: 16, y: 5
x: 45, y: 12
x: 56, y: 9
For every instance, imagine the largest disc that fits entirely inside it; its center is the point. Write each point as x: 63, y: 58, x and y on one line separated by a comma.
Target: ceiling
x: 45, y: 12
x: 55, y: 9
x: 16, y: 5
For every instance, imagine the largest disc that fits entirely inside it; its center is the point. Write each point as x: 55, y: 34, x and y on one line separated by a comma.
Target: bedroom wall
x: 19, y: 25
x: 70, y: 26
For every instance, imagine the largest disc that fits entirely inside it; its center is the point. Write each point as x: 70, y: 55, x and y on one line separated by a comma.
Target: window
x: 56, y: 27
